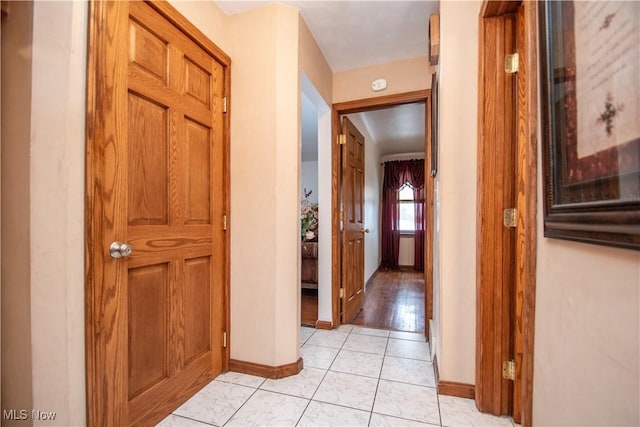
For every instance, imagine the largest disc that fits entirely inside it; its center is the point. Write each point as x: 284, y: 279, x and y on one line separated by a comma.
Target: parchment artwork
x: 607, y: 55
x: 590, y: 117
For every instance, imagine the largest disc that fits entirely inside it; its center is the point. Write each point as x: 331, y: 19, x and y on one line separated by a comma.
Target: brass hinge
x: 511, y: 63
x: 224, y: 339
x: 341, y: 292
x: 224, y: 104
x: 224, y: 222
x: 509, y: 370
x: 341, y: 215
x: 510, y: 217
x: 342, y: 139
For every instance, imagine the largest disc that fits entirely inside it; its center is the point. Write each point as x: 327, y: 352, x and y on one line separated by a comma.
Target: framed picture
x: 434, y: 124
x: 590, y: 81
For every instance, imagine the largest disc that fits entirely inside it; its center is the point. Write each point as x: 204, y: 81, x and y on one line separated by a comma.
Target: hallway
x: 353, y: 376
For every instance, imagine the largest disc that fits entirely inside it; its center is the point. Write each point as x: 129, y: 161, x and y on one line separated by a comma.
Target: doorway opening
x: 349, y: 109
x: 315, y: 203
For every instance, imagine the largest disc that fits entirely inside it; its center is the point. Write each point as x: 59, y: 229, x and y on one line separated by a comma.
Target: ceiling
x: 395, y: 130
x: 355, y: 34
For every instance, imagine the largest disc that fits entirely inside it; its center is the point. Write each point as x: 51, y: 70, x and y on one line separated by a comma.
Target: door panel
x: 353, y: 225
x: 156, y: 181
x: 198, y: 173
x: 148, y: 295
x: 197, y: 326
x: 148, y: 152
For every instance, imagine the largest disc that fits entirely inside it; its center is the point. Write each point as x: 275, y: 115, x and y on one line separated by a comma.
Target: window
x: 407, y: 209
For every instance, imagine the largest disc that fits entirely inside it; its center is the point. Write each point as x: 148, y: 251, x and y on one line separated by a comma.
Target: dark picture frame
x: 591, y: 151
x: 434, y: 124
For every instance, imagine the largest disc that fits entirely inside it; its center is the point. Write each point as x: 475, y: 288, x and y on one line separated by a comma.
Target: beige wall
x: 287, y: 165
x: 16, y: 293
x: 264, y: 186
x: 402, y: 76
x: 313, y: 63
x: 51, y: 239
x: 587, y: 332
x: 208, y: 18
x: 587, y: 335
x: 456, y: 183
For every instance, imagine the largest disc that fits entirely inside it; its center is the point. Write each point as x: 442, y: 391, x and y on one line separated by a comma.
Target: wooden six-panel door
x: 156, y: 182
x: 353, y: 223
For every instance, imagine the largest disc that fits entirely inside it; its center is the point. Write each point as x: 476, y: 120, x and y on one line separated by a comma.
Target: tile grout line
x: 241, y: 406
x: 375, y: 395
x: 323, y: 377
x: 193, y: 419
x: 351, y: 332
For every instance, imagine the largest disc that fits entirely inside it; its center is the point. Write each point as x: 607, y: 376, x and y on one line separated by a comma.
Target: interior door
x: 156, y: 196
x: 353, y: 221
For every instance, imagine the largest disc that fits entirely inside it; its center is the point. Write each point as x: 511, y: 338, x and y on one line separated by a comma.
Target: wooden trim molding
x: 450, y: 388
x: 323, y: 324
x: 434, y: 39
x: 380, y: 102
x: 488, y: 394
x: 266, y: 371
x: 529, y: 240
x: 372, y: 278
x: 496, y: 191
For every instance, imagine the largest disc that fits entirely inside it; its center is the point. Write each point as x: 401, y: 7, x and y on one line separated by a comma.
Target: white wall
x: 456, y: 195
x: 406, y: 251
x: 372, y: 200
x: 309, y: 178
x: 323, y: 193
x: 324, y: 211
x: 57, y: 210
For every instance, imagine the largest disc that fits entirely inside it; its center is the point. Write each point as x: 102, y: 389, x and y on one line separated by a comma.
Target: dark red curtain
x: 391, y: 215
x: 397, y: 174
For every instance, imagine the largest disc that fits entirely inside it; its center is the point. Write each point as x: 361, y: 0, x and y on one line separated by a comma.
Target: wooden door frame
x: 489, y: 392
x: 358, y: 106
x: 101, y: 407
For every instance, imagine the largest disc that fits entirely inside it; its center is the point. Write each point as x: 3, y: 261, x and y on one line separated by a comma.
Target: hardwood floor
x: 394, y: 300
x: 309, y: 307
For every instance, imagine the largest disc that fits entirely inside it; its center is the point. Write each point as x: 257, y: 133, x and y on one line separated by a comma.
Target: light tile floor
x: 352, y: 376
